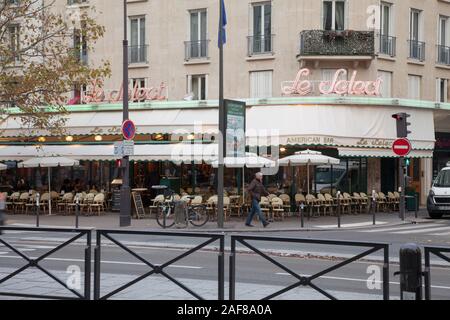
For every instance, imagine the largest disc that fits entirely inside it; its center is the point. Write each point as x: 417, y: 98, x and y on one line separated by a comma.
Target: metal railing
x: 416, y: 50
x: 196, y: 49
x: 154, y: 268
x: 443, y: 54
x: 439, y: 252
x: 35, y: 263
x: 260, y: 45
x: 306, y: 281
x: 388, y: 45
x: 138, y: 54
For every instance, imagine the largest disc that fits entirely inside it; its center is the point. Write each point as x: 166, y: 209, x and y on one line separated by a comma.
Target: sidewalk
x: 235, y: 224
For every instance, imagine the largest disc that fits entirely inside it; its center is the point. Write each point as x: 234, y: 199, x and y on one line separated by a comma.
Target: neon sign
x: 302, y: 87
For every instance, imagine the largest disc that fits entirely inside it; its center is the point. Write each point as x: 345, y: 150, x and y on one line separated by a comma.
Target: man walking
x: 257, y: 190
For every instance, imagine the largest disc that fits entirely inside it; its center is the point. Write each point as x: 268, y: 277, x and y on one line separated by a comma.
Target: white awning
x: 143, y: 152
x: 177, y: 121
x: 340, y: 126
x: 381, y: 153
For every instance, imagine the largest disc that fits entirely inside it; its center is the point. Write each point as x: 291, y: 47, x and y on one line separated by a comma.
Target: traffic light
x: 119, y: 163
x: 402, y: 124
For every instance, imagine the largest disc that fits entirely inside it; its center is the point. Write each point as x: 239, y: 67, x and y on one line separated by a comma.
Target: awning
x: 177, y: 153
x: 175, y: 121
x: 381, y: 153
x: 339, y: 126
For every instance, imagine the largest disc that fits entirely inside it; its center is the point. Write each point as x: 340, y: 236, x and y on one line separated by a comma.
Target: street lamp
x: 125, y: 196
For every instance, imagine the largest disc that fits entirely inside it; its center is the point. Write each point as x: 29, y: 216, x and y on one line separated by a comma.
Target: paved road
x: 203, y: 265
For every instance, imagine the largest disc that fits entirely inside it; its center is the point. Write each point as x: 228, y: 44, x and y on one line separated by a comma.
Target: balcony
x: 196, y: 50
x: 347, y: 45
x: 388, y: 45
x: 259, y: 45
x: 138, y: 54
x: 416, y: 50
x: 443, y: 55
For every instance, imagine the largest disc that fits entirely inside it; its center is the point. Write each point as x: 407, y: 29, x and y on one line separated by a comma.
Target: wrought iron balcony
x: 260, y: 45
x: 443, y: 54
x: 196, y: 49
x: 416, y: 50
x: 138, y: 54
x: 337, y: 43
x: 388, y: 45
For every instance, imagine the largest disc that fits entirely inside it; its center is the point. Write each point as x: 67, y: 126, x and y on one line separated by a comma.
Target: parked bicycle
x: 194, y: 214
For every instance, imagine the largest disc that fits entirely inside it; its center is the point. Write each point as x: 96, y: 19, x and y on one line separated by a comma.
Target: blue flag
x: 223, y: 39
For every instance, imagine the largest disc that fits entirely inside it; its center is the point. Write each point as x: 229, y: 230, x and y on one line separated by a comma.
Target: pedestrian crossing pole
x: 221, y: 169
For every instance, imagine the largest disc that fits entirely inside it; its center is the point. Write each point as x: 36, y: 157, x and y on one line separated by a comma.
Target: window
x: 414, y: 87
x: 138, y: 48
x: 386, y: 87
x: 261, y: 39
x: 14, y: 41
x: 261, y: 84
x: 80, y: 46
x: 443, y: 49
x: 441, y: 90
x: 139, y: 83
x: 416, y: 46
x: 197, y: 87
x: 334, y: 14
x: 72, y: 2
x: 387, y: 41
x: 198, y: 45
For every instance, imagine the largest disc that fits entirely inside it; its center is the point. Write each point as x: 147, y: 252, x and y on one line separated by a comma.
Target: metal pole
x: 221, y: 169
x: 372, y: 207
x: 37, y: 209
x: 402, y: 187
x: 417, y: 206
x: 77, y: 210
x: 339, y: 208
x: 302, y: 219
x: 125, y: 196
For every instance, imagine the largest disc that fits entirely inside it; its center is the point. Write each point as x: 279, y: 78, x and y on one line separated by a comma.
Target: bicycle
x: 195, y: 214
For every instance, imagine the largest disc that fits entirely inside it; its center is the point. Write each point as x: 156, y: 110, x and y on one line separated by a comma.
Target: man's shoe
x: 249, y: 225
x: 266, y: 225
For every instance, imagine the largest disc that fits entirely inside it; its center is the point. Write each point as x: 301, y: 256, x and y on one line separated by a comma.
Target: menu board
x: 235, y: 115
x: 116, y: 200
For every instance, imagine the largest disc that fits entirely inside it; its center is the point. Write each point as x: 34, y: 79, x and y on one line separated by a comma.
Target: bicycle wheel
x: 165, y: 216
x: 198, y: 216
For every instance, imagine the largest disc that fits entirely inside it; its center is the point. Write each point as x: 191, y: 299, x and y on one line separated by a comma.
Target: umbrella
x: 49, y: 162
x: 308, y: 158
x: 3, y: 167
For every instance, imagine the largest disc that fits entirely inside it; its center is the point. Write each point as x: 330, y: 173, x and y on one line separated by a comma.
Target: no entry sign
x: 128, y: 130
x: 401, y: 147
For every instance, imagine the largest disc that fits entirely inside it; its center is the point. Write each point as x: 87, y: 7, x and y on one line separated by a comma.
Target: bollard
x: 338, y: 194
x: 417, y: 205
x: 373, y: 206
x: 38, y: 196
x: 2, y: 209
x: 77, y: 210
x: 410, y: 272
x: 302, y: 208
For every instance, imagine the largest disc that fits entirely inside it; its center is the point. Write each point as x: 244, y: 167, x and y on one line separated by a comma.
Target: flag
x: 223, y: 38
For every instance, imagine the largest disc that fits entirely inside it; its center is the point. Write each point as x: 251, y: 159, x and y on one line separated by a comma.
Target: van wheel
x: 435, y: 215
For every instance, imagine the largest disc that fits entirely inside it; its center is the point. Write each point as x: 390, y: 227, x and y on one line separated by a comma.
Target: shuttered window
x: 386, y: 86
x: 414, y: 87
x: 261, y: 84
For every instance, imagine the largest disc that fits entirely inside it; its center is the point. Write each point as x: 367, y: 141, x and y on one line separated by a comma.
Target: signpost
x: 402, y: 147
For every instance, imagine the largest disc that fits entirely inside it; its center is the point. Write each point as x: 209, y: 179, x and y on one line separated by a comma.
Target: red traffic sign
x: 401, y: 147
x: 128, y: 130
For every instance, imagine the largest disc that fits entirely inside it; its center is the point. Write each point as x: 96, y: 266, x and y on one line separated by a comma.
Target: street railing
x: 439, y: 252
x: 306, y: 281
x: 36, y: 263
x: 157, y: 269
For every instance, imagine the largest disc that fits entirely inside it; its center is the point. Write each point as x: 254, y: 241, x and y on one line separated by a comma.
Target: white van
x: 438, y: 202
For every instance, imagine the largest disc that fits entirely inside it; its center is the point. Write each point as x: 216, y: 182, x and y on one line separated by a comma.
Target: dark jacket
x: 257, y: 189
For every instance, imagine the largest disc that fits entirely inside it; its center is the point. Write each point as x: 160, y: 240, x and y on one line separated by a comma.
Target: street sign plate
x: 128, y: 130
x: 124, y: 148
x: 401, y: 147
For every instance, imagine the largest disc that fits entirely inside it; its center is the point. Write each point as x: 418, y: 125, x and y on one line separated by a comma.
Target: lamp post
x: 125, y: 196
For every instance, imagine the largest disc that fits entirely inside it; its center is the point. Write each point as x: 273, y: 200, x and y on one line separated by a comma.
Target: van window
x: 443, y: 179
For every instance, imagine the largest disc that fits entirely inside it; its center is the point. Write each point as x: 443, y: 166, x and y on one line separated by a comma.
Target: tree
x: 41, y: 60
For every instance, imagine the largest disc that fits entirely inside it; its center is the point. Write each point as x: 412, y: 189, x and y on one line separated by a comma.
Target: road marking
x: 350, y: 225
x: 355, y: 280
x: 4, y: 252
x: 422, y: 230
x: 107, y: 262
x: 441, y: 234
x: 402, y: 227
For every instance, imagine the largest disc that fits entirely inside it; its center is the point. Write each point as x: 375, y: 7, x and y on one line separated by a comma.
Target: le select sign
x: 402, y: 147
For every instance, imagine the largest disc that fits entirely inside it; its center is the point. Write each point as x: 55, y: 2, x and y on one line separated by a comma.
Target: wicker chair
x: 62, y: 205
x: 20, y: 204
x: 312, y: 203
x: 286, y: 202
x: 277, y: 206
x: 265, y: 207
x: 98, y: 204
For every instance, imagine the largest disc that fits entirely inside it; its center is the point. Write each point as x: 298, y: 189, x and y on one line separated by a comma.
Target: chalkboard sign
x: 138, y: 205
x: 116, y: 200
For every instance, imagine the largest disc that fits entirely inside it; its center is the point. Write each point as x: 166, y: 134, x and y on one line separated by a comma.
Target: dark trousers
x: 256, y: 209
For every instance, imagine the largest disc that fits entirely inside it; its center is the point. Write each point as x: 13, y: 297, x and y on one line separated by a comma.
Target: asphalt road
x: 251, y: 269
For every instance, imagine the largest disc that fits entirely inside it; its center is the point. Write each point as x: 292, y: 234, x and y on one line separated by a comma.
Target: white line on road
x: 4, y: 252
x: 350, y: 225
x: 441, y: 234
x: 403, y: 227
x: 107, y: 262
x: 422, y: 230
x: 354, y: 279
